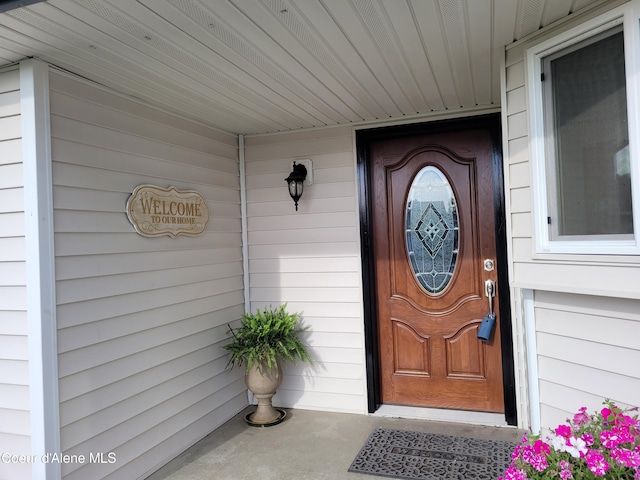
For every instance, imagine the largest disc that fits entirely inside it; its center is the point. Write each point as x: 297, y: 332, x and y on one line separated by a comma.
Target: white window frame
x: 627, y: 15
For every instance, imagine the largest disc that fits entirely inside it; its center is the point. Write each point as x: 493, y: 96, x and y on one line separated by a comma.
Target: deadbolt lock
x: 488, y: 265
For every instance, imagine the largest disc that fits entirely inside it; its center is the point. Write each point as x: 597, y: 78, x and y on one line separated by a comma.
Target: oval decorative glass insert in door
x: 432, y: 229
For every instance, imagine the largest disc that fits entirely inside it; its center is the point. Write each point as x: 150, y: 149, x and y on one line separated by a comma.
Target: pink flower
x: 625, y: 457
x: 539, y: 462
x: 565, y: 469
x: 541, y: 447
x: 615, y: 437
x: 528, y: 454
x: 630, y: 421
x: 597, y: 463
x: 609, y: 439
x: 581, y: 417
x: 563, y: 431
x: 625, y: 421
x: 624, y: 434
x: 514, y: 473
x: 516, y: 452
x: 587, y: 438
x: 565, y: 474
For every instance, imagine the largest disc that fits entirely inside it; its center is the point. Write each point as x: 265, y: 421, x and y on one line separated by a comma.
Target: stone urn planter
x: 263, y: 383
x: 263, y: 340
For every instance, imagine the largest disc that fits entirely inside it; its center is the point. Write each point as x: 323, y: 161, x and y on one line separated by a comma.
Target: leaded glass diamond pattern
x: 432, y: 229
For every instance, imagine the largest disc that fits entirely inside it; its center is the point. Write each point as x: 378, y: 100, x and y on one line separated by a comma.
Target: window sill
x: 587, y: 259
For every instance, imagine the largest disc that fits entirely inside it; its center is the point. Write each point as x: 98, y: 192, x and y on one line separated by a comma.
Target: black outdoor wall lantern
x: 295, y: 180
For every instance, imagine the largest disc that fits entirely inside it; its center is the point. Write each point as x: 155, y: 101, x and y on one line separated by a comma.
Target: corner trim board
x: 40, y: 265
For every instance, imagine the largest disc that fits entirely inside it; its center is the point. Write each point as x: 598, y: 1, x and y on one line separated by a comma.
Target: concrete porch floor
x: 308, y: 445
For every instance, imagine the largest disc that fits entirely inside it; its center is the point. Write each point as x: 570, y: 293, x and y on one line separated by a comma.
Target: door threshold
x: 442, y: 415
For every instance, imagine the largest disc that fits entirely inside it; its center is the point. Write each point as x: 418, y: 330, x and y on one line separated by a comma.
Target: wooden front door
x: 434, y: 227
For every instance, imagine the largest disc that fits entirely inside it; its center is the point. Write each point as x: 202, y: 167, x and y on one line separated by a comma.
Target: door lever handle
x: 490, y: 288
x: 490, y: 292
x: 489, y: 321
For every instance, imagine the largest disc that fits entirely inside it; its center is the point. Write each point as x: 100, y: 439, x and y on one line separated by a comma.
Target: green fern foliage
x: 266, y: 336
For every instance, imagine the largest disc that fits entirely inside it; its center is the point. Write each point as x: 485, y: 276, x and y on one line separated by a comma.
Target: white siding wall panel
x: 14, y: 369
x: 310, y: 260
x: 585, y: 387
x: 10, y: 128
x: 10, y: 149
x: 516, y: 101
x: 141, y: 321
x: 518, y: 149
x: 520, y: 199
x: 519, y: 175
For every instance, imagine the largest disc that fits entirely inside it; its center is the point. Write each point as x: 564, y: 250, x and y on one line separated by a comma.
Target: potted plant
x: 262, y: 341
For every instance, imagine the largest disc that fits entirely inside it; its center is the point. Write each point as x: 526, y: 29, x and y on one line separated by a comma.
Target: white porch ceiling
x: 259, y: 66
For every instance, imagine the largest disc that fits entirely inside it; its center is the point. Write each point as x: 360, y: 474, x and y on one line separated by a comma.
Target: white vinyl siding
x: 588, y: 350
x: 141, y: 321
x: 581, y: 303
x: 516, y: 158
x: 14, y: 368
x: 310, y: 259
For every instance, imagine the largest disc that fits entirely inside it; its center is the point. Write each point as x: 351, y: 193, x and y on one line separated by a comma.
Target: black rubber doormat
x: 428, y: 456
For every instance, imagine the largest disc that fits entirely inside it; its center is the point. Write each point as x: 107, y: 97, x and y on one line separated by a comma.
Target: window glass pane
x: 432, y: 230
x: 591, y: 194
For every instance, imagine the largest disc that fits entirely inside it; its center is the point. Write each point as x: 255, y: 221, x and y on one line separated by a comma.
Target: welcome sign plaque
x: 155, y: 211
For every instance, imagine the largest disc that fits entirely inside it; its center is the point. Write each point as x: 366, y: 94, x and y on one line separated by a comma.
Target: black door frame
x: 364, y: 141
